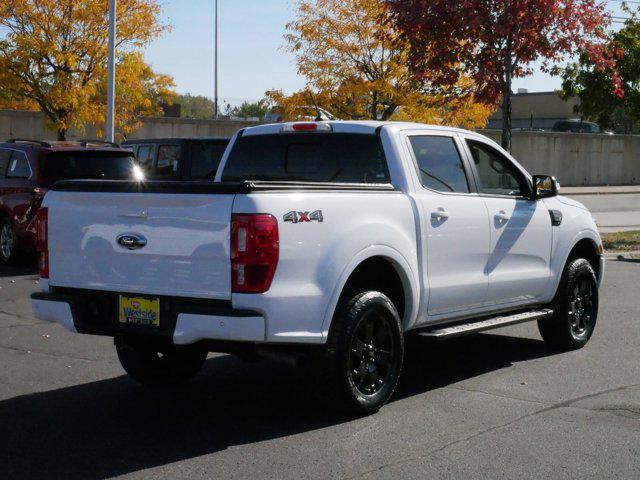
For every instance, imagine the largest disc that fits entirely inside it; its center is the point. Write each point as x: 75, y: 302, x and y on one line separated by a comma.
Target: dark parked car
x: 576, y: 126
x: 178, y: 158
x: 28, y: 168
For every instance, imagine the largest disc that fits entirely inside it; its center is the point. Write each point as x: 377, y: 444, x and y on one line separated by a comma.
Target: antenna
x: 315, y: 105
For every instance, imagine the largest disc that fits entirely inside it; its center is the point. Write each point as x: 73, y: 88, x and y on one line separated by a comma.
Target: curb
x: 632, y: 255
x: 599, y: 192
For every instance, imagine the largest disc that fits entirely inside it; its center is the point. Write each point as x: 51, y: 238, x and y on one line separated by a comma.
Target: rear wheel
x: 363, y: 359
x: 8, y: 251
x: 575, y: 308
x: 153, y: 365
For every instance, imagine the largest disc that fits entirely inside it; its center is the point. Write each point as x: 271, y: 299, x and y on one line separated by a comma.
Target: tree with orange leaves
x: 54, y: 55
x: 356, y: 69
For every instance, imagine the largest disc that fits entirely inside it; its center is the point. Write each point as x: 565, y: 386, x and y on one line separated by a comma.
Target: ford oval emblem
x: 131, y: 241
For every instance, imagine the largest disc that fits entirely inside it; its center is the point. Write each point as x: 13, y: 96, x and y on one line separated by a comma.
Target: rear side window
x: 439, y: 163
x: 86, y: 165
x: 308, y: 157
x: 145, y: 158
x: 168, y: 156
x: 205, y: 158
x: 18, y: 166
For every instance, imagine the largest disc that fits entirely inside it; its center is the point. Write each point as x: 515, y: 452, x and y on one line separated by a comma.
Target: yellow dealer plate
x: 140, y: 311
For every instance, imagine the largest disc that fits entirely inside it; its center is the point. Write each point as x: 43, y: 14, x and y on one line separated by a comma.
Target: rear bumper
x: 182, y: 321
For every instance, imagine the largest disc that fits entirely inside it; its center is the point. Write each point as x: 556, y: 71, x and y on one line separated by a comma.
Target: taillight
x: 42, y: 241
x: 254, y: 252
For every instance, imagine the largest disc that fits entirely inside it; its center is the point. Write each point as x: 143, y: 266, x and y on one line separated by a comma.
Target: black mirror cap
x: 545, y: 186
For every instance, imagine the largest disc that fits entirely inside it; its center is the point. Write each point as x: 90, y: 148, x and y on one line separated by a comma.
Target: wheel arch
x: 382, y: 268
x: 585, y: 245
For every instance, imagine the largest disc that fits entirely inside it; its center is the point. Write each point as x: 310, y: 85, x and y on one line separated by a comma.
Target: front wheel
x: 575, y: 308
x: 363, y: 359
x: 153, y: 365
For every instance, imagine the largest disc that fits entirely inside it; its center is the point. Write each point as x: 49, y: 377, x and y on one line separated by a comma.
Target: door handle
x: 502, y: 216
x: 440, y: 214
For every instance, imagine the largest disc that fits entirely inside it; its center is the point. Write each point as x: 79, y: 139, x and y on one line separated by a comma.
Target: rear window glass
x: 439, y: 164
x: 168, y: 156
x: 145, y: 158
x: 308, y: 157
x: 205, y: 158
x: 87, y: 165
x: 18, y: 166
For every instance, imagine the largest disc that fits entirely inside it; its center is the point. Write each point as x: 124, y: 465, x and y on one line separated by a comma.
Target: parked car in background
x: 577, y: 126
x: 29, y: 168
x: 178, y: 158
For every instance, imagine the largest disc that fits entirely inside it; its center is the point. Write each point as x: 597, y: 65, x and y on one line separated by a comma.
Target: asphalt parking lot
x: 495, y: 405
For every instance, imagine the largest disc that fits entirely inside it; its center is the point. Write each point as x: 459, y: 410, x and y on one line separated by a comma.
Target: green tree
x: 249, y: 109
x: 195, y: 106
x: 612, y: 102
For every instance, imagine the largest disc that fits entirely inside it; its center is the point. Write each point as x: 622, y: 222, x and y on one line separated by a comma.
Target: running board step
x: 487, y: 324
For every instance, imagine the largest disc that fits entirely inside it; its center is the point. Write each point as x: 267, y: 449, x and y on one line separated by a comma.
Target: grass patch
x: 621, y: 241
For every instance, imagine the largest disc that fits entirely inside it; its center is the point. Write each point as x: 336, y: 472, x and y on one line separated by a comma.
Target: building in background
x: 538, y: 110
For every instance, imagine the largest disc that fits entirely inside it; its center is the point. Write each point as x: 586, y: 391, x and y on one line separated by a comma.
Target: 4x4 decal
x: 300, y: 217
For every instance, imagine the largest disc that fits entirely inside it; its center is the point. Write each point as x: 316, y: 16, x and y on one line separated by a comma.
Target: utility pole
x: 111, y: 76
x: 215, y: 94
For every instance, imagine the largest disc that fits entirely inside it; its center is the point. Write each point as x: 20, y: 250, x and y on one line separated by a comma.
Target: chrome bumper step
x: 452, y: 331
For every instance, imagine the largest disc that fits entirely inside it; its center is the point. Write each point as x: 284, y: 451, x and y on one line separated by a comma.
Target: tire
x: 8, y: 242
x: 575, y: 308
x: 155, y: 366
x: 362, y: 361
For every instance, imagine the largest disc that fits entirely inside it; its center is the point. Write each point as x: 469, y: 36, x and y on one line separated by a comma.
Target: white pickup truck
x: 326, y: 241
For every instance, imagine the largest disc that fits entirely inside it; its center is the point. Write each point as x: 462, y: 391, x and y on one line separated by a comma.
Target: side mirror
x: 544, y: 186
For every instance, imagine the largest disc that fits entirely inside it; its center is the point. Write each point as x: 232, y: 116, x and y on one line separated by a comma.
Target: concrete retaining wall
x: 575, y: 159
x: 578, y: 159
x: 19, y: 124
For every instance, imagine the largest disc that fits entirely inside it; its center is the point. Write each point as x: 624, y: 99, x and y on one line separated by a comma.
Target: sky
x: 251, y: 55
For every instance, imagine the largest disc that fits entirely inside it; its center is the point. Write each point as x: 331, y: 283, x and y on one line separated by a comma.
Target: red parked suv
x: 28, y: 168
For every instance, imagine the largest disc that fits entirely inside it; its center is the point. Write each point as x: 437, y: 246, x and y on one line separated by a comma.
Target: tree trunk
x: 506, y: 105
x: 62, y: 134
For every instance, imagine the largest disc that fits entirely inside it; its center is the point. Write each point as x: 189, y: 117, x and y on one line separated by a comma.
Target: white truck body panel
x: 187, y: 251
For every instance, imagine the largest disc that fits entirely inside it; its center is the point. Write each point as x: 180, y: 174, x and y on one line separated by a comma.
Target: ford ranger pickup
x: 320, y: 242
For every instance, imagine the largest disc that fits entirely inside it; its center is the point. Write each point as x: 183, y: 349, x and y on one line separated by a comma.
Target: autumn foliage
x: 357, y: 68
x: 54, y: 57
x: 494, y: 41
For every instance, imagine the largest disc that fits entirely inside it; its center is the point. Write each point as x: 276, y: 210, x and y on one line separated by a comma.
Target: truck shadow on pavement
x: 113, y: 427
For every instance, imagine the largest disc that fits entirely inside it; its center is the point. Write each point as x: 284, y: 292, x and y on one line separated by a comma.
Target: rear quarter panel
x: 316, y: 258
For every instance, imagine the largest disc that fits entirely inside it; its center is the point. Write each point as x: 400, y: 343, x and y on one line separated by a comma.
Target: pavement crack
x: 555, y: 406
x: 54, y: 355
x: 21, y: 325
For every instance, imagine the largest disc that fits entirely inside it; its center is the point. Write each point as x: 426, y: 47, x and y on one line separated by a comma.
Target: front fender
x: 564, y: 247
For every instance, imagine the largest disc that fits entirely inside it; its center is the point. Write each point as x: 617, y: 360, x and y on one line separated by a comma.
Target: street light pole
x: 215, y: 99
x: 111, y: 75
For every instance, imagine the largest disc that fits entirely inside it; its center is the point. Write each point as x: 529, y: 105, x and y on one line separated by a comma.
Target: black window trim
x: 471, y: 181
x: 3, y: 171
x: 476, y: 175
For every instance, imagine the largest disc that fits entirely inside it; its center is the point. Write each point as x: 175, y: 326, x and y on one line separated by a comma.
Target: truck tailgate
x: 186, y: 251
